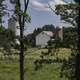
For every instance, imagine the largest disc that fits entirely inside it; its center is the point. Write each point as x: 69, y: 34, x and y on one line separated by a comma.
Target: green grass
x: 9, y: 69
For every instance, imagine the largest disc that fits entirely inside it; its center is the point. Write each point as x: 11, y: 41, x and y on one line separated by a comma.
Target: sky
x: 41, y: 14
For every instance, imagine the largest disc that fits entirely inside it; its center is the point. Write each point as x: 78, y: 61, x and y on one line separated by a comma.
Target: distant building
x: 14, y: 26
x: 61, y: 34
x: 43, y: 38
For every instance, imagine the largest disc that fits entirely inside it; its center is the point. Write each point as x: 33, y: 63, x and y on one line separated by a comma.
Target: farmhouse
x: 43, y: 38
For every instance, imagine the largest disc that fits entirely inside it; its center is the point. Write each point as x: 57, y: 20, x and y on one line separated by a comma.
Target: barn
x: 43, y: 38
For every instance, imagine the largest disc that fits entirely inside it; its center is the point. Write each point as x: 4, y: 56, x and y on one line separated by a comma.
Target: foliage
x: 69, y: 37
x: 19, y: 11
x: 68, y: 66
x: 7, y: 40
x: 77, y: 1
x: 48, y: 27
x: 2, y: 12
x: 22, y: 17
x: 69, y: 14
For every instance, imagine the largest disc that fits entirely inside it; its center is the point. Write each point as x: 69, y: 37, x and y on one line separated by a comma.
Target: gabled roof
x: 48, y: 33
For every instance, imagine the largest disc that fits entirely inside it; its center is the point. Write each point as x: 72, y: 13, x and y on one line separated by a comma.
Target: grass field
x: 9, y: 69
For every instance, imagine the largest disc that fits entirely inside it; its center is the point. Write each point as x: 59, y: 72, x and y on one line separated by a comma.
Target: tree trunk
x: 21, y: 55
x: 77, y: 73
x: 21, y: 19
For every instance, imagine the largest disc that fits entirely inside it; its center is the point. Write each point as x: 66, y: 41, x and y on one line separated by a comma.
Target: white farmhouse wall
x: 42, y: 39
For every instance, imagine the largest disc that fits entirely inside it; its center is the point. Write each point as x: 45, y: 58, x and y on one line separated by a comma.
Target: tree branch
x: 51, y: 8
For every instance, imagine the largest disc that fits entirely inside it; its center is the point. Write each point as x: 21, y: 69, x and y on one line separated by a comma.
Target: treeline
x: 30, y: 38
x: 7, y: 37
x: 69, y: 35
x: 7, y: 41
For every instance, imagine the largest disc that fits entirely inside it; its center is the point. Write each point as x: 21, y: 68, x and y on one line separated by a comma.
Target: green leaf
x: 78, y: 1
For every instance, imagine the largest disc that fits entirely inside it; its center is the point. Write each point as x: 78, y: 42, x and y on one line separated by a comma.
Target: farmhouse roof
x: 49, y: 33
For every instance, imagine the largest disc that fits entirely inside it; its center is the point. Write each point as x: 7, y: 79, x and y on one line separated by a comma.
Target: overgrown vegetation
x: 53, y: 63
x: 10, y: 68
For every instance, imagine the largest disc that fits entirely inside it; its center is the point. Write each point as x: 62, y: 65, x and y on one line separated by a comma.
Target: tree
x: 7, y: 40
x: 77, y: 66
x: 69, y: 36
x: 2, y: 12
x: 67, y: 13
x: 71, y: 13
x: 22, y: 18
